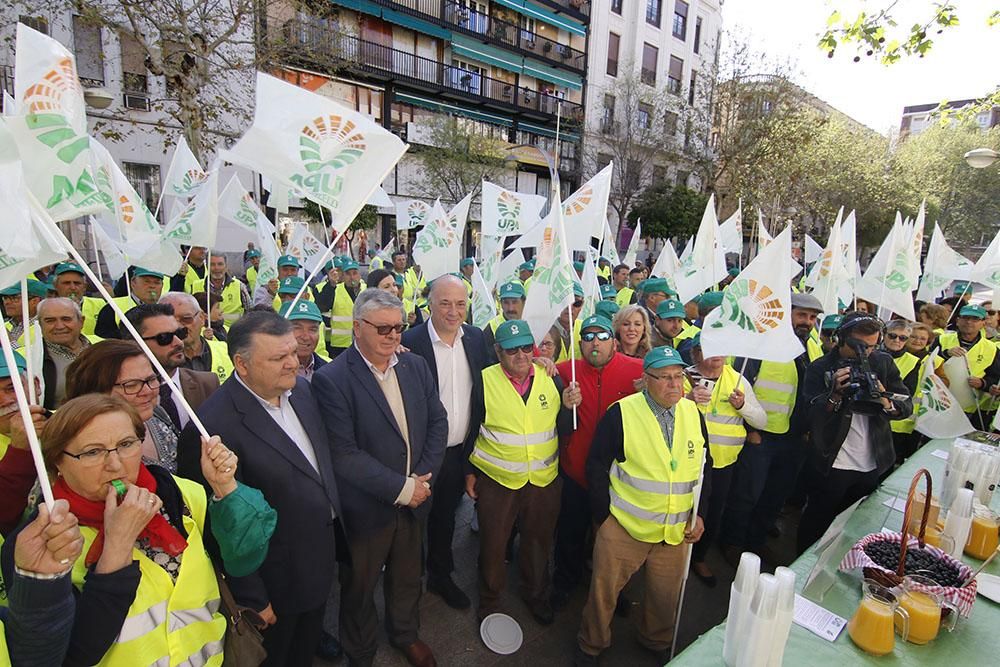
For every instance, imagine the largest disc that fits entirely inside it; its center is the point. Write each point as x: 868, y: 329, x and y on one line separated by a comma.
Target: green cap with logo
x: 288, y: 260
x: 304, y: 310
x: 597, y: 321
x: 962, y: 287
x: 606, y: 308
x: 349, y: 265
x: 661, y: 357
x: 608, y: 292
x: 710, y: 300
x: 670, y: 308
x: 468, y: 261
x: 512, y: 290
x: 977, y: 312
x: 68, y: 267
x: 140, y: 272
x: 338, y: 261
x: 330, y: 266
x: 253, y: 253
x: 831, y: 322
x: 22, y: 365
x: 291, y: 285
x: 657, y: 285
x: 513, y: 333
x: 527, y: 266
x: 35, y: 288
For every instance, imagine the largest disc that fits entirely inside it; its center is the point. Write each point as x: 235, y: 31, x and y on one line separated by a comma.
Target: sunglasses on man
x: 386, y: 329
x: 899, y: 337
x: 590, y: 336
x: 526, y: 349
x: 167, y: 337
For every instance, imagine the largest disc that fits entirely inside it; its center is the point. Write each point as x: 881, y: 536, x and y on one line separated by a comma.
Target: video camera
x: 862, y: 389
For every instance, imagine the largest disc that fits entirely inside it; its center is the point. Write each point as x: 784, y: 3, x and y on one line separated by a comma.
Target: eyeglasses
x: 666, y: 378
x: 991, y: 313
x: 578, y: 303
x: 186, y: 320
x: 899, y: 337
x: 167, y: 337
x: 133, y: 387
x: 96, y: 456
x: 527, y: 349
x: 589, y: 336
x: 386, y: 329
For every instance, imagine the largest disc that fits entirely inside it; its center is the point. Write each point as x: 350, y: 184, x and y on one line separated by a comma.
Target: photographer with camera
x: 853, y: 392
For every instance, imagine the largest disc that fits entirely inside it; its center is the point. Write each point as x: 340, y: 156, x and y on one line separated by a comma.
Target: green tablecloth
x: 975, y: 641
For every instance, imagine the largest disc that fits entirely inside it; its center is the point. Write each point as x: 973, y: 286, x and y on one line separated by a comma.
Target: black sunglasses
x: 386, y: 329
x: 578, y: 304
x: 167, y: 337
x: 589, y: 336
x: 511, y: 351
x: 893, y: 336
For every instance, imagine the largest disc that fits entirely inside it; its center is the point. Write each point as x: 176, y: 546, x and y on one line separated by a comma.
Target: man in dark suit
x: 388, y: 433
x: 456, y: 354
x: 156, y: 324
x: 267, y: 415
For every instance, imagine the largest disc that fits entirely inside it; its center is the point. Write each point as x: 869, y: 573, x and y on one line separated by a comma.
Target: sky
x: 961, y: 64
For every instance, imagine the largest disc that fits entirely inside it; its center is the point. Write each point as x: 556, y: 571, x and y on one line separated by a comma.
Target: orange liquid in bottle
x: 871, y: 627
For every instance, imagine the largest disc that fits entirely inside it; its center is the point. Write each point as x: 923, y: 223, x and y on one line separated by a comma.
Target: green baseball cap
x: 512, y: 290
x: 140, y: 272
x: 733, y: 271
x: 577, y: 289
x: 398, y: 278
x: 291, y: 285
x: 961, y: 287
x: 710, y: 300
x: 338, y: 261
x: 288, y: 260
x: 606, y: 308
x: 661, y: 357
x: 578, y: 266
x: 371, y: 252
x: 657, y: 285
x: 304, y: 310
x: 670, y: 308
x: 468, y: 261
x: 349, y: 265
x: 22, y: 365
x: 526, y: 266
x: 513, y: 333
x: 831, y: 322
x: 68, y: 267
x: 967, y: 311
x: 253, y: 253
x: 330, y: 266
x: 599, y: 321
x: 35, y: 288
x: 608, y: 292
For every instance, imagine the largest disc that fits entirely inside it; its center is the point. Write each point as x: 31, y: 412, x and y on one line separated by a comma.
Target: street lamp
x: 980, y: 158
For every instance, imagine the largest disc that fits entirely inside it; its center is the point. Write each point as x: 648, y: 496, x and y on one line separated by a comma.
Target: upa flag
x: 459, y: 215
x: 938, y: 413
x: 763, y: 236
x: 325, y: 152
x: 380, y: 198
x: 987, y: 269
x: 755, y: 318
x: 197, y: 222
x: 829, y: 275
x: 239, y: 219
x: 887, y: 280
x: 35, y: 245
x: 507, y: 270
x: 490, y: 249
x: 184, y: 175
x: 509, y: 213
x: 584, y: 213
x: 129, y: 218
x: 633, y: 245
x: 412, y: 213
x: 50, y: 127
x: 437, y: 248
x: 484, y: 305
x: 305, y: 247
x: 942, y: 266
x: 706, y: 265
x: 731, y: 232
x: 608, y: 245
x: 552, y: 283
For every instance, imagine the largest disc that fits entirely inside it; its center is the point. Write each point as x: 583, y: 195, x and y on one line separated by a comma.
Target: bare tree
x: 457, y: 159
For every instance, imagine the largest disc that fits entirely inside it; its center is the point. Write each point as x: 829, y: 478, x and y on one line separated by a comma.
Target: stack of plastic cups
x: 959, y: 521
x: 786, y: 610
x: 759, y: 629
x: 955, y: 474
x: 988, y: 466
x: 740, y: 595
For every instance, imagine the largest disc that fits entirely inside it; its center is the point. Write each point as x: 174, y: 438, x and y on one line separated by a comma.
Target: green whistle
x: 120, y: 487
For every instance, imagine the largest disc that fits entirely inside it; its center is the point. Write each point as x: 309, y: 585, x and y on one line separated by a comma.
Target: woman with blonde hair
x: 935, y: 316
x: 632, y: 331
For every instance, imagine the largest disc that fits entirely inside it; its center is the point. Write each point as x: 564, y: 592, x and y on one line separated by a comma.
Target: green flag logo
x: 751, y: 306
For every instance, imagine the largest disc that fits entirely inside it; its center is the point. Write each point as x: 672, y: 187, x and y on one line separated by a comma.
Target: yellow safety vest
x: 4, y: 656
x: 979, y: 358
x: 412, y: 285
x: 126, y: 303
x: 376, y: 263
x: 252, y: 278
x: 191, y: 280
x: 726, y: 431
x: 624, y: 296
x: 169, y: 623
x: 495, y: 323
x: 517, y: 442
x: 776, y: 387
x: 341, y: 318
x: 90, y: 307
x: 4, y: 444
x: 689, y: 331
x: 604, y: 272
x: 575, y: 339
x: 222, y: 365
x: 905, y: 362
x: 652, y: 492
x: 231, y: 302
x: 814, y: 348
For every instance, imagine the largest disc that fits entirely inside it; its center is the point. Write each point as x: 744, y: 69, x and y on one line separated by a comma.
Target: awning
x: 437, y: 105
x: 487, y: 54
x: 552, y: 75
x: 413, y: 23
x: 547, y: 15
x: 547, y: 131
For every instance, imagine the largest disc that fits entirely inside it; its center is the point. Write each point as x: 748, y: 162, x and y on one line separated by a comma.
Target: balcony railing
x: 305, y: 40
x: 492, y: 29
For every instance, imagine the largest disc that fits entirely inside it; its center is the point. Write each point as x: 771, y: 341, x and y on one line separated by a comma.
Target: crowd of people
x: 346, y: 426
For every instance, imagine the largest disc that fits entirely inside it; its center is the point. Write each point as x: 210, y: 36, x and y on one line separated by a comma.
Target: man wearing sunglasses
x: 515, y: 461
x: 897, y: 334
x: 603, y: 376
x: 156, y: 324
x: 201, y: 354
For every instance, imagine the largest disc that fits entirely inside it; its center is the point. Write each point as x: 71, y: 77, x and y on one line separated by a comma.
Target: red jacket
x: 601, y: 388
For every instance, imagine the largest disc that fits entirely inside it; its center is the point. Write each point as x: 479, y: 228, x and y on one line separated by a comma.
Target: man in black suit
x: 456, y: 354
x: 388, y: 433
x: 267, y: 415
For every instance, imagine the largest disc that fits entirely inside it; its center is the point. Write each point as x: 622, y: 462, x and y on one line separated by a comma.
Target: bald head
x: 449, y: 304
x: 446, y: 284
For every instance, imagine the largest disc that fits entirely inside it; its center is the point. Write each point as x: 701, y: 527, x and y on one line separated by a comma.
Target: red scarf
x: 90, y: 513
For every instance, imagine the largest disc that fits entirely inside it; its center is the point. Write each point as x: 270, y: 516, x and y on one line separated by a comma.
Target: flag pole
x: 97, y: 258
x: 208, y: 288
x: 26, y: 332
x: 22, y: 405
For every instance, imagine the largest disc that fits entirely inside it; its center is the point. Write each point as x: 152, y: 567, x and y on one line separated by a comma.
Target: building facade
x: 919, y: 117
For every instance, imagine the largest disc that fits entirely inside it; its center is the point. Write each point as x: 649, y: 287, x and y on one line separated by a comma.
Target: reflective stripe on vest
x: 979, y: 357
x: 905, y: 362
x: 652, y: 491
x: 776, y: 386
x: 341, y: 318
x: 518, y: 443
x: 231, y: 301
x: 170, y: 622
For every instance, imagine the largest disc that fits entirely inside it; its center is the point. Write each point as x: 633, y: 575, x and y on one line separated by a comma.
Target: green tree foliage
x: 457, y: 160
x: 668, y: 211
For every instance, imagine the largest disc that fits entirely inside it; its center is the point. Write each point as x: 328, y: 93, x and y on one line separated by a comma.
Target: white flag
x: 305, y: 247
x: 938, y: 413
x: 381, y: 198
x: 509, y: 213
x: 239, y: 218
x: 130, y: 221
x: 731, y: 232
x: 437, y: 248
x: 755, y: 319
x: 267, y: 270
x: 113, y: 257
x: 849, y: 251
x: 633, y: 245
x: 508, y: 270
x: 585, y: 211
x: 987, y: 268
x: 484, y: 305
x: 490, y: 249
x: 591, y: 285
x: 942, y: 266
x: 412, y: 213
x: 706, y: 265
x: 197, y: 222
x: 458, y: 216
x: 667, y: 265
x: 325, y: 152
x: 386, y: 253
x: 916, y: 244
x: 813, y: 250
x: 887, y: 280
x: 184, y: 175
x: 552, y: 283
x: 829, y: 275
x: 36, y: 246
x: 763, y: 236
x: 609, y: 247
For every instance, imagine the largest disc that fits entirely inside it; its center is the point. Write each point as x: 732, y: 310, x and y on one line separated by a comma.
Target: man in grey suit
x: 388, y: 433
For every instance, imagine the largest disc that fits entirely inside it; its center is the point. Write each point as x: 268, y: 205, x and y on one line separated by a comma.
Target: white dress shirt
x: 454, y: 383
x: 284, y: 416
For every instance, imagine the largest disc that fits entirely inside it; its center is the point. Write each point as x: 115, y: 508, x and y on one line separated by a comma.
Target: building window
x: 644, y: 116
x: 680, y: 19
x: 466, y: 76
x: 135, y: 82
x: 649, y: 56
x: 608, y: 114
x: 675, y: 75
x: 653, y: 8
x: 691, y: 87
x: 682, y: 178
x: 88, y: 52
x: 39, y: 23
x: 616, y: 7
x: 670, y: 123
x: 528, y: 31
x: 697, y: 35
x: 613, y: 43
x: 659, y: 173
x: 145, y: 178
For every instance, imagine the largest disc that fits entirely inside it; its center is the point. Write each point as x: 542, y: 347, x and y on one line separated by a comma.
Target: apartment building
x: 918, y: 117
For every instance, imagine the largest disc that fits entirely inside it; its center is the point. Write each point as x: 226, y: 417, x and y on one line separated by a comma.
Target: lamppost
x: 980, y: 158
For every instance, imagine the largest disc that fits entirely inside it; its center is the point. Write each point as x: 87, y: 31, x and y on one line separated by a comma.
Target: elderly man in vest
x: 516, y: 463
x: 768, y: 467
x: 202, y: 354
x: 981, y: 356
x: 512, y: 299
x: 12, y: 307
x: 71, y: 283
x: 145, y: 285
x: 233, y: 296
x: 643, y: 470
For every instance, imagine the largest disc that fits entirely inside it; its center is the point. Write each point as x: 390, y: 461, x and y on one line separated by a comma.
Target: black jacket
x: 828, y: 428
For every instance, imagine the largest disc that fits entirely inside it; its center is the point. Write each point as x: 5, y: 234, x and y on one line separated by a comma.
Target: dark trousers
x: 397, y: 546
x: 536, y: 510
x: 293, y: 639
x: 722, y: 481
x: 829, y: 496
x: 905, y: 444
x: 447, y: 494
x: 764, y: 478
x: 574, y: 523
